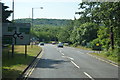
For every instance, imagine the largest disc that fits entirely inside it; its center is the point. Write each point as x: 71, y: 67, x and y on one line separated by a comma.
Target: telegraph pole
x: 112, y: 37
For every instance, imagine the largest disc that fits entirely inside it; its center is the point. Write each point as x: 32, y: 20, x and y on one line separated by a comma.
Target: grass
x: 13, y: 67
x: 81, y: 47
x: 102, y: 54
x: 84, y: 48
x: 114, y: 59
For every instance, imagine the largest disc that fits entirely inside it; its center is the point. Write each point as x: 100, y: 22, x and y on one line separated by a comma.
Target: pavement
x: 71, y: 63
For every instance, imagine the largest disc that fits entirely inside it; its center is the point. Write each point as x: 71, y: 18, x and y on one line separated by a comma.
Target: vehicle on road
x: 53, y: 43
x: 66, y: 44
x: 60, y: 45
x: 42, y: 43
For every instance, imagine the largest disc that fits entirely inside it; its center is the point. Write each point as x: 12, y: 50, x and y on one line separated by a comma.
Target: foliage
x: 44, y: 22
x: 5, y: 13
x: 93, y: 26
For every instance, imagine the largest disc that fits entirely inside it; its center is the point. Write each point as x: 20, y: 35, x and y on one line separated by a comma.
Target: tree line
x: 98, y: 23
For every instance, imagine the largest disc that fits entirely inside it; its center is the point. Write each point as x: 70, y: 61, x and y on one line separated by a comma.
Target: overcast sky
x: 55, y: 9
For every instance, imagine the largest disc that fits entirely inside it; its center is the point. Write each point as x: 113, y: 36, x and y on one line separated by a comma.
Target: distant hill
x: 51, y: 22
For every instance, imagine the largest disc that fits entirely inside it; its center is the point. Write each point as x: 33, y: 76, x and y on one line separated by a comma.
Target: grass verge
x: 13, y: 67
x: 102, y: 55
x: 109, y: 55
x: 80, y: 47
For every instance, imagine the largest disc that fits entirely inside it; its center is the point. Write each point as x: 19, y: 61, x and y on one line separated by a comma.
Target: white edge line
x: 88, y: 75
x: 103, y: 60
x: 75, y: 64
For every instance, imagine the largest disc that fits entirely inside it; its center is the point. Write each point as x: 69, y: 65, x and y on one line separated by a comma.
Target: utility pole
x: 112, y: 37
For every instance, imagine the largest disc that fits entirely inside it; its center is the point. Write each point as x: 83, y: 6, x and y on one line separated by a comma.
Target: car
x: 53, y: 43
x: 60, y: 45
x: 66, y: 44
x: 42, y: 43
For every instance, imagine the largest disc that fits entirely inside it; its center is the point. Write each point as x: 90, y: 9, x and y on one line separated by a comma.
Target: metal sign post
x: 25, y: 51
x: 13, y: 50
x: 16, y: 34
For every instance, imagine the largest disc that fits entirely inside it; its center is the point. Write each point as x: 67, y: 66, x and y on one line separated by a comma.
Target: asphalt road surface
x: 70, y: 62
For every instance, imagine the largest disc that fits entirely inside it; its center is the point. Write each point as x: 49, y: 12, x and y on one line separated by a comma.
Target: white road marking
x: 103, y: 60
x: 88, y: 76
x: 60, y: 51
x: 68, y: 57
x: 63, y: 54
x: 80, y: 52
x: 75, y: 64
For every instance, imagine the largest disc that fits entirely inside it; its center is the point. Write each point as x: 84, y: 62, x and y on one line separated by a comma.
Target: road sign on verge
x: 16, y: 33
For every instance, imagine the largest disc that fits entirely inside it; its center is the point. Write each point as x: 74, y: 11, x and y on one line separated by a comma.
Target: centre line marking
x: 63, y: 54
x: 60, y: 51
x: 88, y: 76
x: 68, y: 57
x: 75, y: 64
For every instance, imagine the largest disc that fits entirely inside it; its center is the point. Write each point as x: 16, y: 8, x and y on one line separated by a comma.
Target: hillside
x: 51, y: 22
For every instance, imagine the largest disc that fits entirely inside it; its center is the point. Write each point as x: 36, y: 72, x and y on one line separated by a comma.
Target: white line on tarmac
x: 63, y: 54
x: 60, y: 51
x: 68, y: 57
x: 88, y: 76
x: 80, y: 52
x: 75, y: 64
x: 103, y: 60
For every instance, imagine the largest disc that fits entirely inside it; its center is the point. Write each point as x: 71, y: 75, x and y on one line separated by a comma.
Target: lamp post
x: 33, y: 19
x: 33, y: 13
x: 13, y: 10
x: 13, y: 25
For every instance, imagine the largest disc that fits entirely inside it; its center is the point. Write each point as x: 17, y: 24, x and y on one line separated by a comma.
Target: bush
x: 95, y: 44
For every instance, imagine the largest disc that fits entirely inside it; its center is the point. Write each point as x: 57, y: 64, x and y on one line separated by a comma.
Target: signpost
x: 0, y: 40
x: 16, y: 34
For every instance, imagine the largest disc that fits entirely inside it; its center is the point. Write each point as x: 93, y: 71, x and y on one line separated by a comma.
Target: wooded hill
x: 51, y: 22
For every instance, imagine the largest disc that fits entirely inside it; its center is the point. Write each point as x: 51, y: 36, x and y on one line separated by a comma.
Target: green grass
x: 103, y: 55
x: 80, y: 47
x: 13, y: 67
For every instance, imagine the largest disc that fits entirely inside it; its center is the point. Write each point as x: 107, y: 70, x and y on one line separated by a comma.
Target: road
x: 70, y: 62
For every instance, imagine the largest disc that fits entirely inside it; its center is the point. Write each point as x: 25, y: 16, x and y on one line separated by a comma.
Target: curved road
x: 72, y: 63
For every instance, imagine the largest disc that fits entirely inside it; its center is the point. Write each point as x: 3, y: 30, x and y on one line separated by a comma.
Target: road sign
x: 97, y: 44
x: 16, y: 33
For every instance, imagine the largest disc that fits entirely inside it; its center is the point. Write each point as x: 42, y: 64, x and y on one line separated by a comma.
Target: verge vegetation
x: 13, y: 67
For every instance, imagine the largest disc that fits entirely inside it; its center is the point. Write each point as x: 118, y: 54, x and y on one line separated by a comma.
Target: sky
x: 53, y: 9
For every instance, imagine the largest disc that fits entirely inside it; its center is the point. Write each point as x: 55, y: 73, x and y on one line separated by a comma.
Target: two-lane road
x: 71, y: 63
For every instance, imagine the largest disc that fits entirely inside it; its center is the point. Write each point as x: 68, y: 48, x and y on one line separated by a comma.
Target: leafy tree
x: 5, y: 13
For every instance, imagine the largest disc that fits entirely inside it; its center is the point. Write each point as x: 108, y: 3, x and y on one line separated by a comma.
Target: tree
x: 5, y: 13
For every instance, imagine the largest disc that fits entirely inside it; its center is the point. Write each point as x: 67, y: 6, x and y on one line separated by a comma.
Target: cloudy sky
x: 55, y: 9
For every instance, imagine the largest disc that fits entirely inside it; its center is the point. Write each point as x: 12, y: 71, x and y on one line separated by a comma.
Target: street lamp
x: 33, y: 18
x: 13, y: 10
x: 33, y: 12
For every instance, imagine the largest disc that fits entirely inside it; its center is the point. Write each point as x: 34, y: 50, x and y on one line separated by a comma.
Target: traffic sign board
x: 19, y: 32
